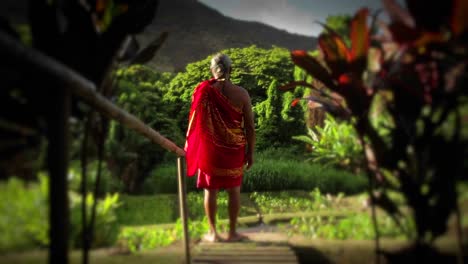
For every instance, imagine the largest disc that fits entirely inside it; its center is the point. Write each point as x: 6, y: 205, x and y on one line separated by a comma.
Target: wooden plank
x: 247, y: 258
x: 243, y: 245
x: 250, y: 247
x: 227, y: 261
x: 236, y: 252
x: 252, y: 252
x: 243, y: 253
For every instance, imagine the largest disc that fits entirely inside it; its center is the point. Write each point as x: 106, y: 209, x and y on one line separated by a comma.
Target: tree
x: 131, y: 156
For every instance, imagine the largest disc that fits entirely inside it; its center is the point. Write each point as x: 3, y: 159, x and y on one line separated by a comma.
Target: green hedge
x: 278, y: 175
x: 273, y: 170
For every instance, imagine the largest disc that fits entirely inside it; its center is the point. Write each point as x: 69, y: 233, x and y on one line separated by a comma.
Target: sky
x: 295, y: 16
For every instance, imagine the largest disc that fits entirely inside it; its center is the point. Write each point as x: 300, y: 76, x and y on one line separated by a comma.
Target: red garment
x: 215, y: 145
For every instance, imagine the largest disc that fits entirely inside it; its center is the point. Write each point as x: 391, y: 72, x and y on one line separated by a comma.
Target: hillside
x: 196, y: 31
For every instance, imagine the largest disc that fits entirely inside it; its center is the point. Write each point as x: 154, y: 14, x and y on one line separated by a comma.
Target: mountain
x: 197, y: 31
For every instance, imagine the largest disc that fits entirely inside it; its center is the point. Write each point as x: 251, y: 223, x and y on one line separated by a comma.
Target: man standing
x: 220, y: 141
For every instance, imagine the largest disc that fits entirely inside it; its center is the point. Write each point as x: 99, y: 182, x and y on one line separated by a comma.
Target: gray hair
x: 220, y: 65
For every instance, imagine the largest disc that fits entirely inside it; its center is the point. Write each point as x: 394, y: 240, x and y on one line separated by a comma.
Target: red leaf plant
x: 417, y: 62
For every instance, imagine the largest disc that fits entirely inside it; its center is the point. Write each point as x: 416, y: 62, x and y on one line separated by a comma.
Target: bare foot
x: 211, y: 238
x: 236, y: 237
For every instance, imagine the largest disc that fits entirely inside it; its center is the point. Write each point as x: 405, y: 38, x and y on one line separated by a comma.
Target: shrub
x: 149, y: 237
x: 107, y: 184
x: 24, y: 220
x: 286, y: 201
x: 334, y: 144
x: 147, y: 210
x: 163, y: 179
x: 106, y: 227
x: 278, y: 175
x: 23, y: 214
x: 137, y: 239
x: 357, y: 226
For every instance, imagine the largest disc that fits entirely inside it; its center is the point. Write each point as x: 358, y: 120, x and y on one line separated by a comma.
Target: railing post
x: 57, y: 159
x: 183, y: 207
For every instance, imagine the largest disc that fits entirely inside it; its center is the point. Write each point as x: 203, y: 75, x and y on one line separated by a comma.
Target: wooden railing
x: 69, y: 81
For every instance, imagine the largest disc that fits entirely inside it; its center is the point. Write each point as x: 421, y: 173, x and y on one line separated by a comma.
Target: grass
x: 164, y: 208
x: 308, y: 217
x: 166, y: 255
x: 147, y: 210
x: 312, y: 214
x: 307, y: 213
x: 151, y: 221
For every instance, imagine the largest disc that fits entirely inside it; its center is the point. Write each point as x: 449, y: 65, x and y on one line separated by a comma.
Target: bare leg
x: 233, y: 207
x: 210, y: 211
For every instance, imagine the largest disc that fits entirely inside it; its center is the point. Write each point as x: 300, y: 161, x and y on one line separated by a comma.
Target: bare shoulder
x: 241, y: 91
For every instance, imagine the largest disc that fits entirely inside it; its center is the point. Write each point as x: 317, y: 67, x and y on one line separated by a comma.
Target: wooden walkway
x: 244, y: 253
x: 260, y: 248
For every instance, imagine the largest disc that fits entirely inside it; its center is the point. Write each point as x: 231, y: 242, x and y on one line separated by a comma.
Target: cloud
x: 278, y: 13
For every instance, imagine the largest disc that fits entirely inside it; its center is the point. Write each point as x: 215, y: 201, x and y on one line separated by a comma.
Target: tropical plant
x: 418, y: 66
x: 334, y: 144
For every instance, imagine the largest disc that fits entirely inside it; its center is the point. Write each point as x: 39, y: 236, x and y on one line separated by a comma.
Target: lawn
x: 324, y: 226
x: 311, y: 215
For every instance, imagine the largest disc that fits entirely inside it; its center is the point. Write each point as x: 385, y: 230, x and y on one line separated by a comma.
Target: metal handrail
x: 86, y: 90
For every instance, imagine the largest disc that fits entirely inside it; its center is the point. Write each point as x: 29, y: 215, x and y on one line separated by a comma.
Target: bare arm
x: 249, y: 129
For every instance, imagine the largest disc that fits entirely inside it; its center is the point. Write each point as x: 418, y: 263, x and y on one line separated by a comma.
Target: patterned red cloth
x: 215, y: 145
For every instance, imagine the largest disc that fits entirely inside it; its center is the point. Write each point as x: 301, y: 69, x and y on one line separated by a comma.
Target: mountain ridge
x: 197, y: 31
